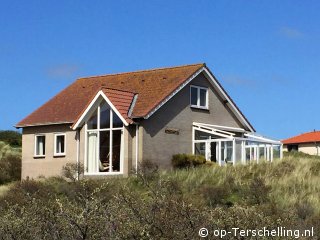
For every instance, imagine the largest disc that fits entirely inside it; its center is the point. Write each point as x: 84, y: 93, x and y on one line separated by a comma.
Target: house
x: 306, y: 142
x: 110, y: 123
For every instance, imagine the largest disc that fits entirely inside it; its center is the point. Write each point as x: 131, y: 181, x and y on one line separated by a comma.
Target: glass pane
x: 203, y: 97
x: 40, y: 147
x: 261, y: 153
x: 199, y: 135
x: 200, y: 149
x: 116, y: 150
x: 104, y: 165
x: 92, y: 123
x: 194, y: 96
x: 247, y: 154
x: 223, y: 158
x: 276, y: 152
x: 104, y: 115
x: 229, y: 151
x: 60, y: 144
x: 117, y: 121
x: 213, y: 146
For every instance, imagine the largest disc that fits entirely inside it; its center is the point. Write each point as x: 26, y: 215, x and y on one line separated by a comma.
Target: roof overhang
x: 229, y: 133
x: 42, y: 124
x: 96, y: 100
x: 222, y: 93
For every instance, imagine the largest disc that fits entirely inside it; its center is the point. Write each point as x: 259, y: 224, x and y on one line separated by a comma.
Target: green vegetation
x: 187, y: 160
x: 10, y: 163
x: 166, y: 204
x: 13, y: 138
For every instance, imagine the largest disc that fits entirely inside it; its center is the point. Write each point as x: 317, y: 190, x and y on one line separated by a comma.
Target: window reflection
x: 104, y: 116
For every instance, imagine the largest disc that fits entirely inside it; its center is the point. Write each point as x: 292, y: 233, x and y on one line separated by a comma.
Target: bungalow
x: 110, y: 123
x: 306, y: 142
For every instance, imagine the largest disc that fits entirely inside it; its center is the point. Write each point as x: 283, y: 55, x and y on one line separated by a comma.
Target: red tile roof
x: 121, y: 100
x: 152, y: 87
x: 304, y: 138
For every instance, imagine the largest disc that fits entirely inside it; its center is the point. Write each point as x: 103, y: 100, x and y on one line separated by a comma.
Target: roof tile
x: 304, y: 138
x: 152, y: 86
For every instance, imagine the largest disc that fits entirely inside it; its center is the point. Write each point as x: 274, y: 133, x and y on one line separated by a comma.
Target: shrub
x: 258, y: 192
x: 13, y: 138
x: 187, y: 160
x: 147, y: 171
x: 72, y: 171
x: 10, y: 168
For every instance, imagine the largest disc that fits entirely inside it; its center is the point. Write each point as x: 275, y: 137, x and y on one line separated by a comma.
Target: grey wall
x: 159, y: 146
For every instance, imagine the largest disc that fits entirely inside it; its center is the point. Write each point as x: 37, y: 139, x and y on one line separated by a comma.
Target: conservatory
x: 229, y: 145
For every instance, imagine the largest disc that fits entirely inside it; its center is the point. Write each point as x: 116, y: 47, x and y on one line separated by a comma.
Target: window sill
x: 103, y: 174
x: 59, y: 155
x: 39, y: 156
x: 199, y: 107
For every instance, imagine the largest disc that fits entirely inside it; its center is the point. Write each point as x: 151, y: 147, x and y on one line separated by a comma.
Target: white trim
x: 261, y: 139
x: 198, y: 88
x: 137, y: 146
x: 110, y: 130
x: 102, y: 173
x: 110, y: 144
x: 214, y: 82
x: 174, y: 93
x: 114, y: 108
x: 84, y: 114
x: 234, y: 152
x: 55, y: 154
x: 234, y: 129
x: 85, y: 147
x: 35, y: 145
x: 42, y: 124
x: 214, y: 129
x: 78, y: 152
x: 234, y: 108
x: 133, y: 103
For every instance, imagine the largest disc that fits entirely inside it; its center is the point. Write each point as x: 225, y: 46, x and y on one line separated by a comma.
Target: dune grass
x: 166, y: 204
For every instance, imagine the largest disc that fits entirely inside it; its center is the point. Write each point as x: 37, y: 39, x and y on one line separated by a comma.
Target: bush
x: 147, y: 171
x: 72, y: 171
x: 187, y: 160
x: 11, y: 137
x: 10, y: 168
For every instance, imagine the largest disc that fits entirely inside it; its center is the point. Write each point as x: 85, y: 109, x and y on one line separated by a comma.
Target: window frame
x: 55, y: 154
x: 110, y: 130
x: 206, y: 107
x: 35, y: 145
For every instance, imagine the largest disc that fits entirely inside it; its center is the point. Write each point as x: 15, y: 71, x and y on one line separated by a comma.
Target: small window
x: 199, y: 97
x: 59, y: 144
x: 40, y: 145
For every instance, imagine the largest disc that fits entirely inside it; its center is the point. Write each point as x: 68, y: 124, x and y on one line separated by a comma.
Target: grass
x: 5, y: 188
x: 282, y: 193
x: 293, y: 180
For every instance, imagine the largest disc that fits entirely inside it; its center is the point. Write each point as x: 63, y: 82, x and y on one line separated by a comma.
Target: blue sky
x: 265, y: 53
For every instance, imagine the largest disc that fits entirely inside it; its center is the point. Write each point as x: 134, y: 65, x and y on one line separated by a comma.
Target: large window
x: 199, y: 97
x: 40, y: 146
x: 60, y: 144
x: 104, y: 141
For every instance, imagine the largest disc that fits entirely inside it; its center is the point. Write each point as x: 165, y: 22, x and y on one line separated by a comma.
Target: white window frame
x: 55, y: 154
x: 98, y: 130
x: 198, y: 97
x: 35, y: 145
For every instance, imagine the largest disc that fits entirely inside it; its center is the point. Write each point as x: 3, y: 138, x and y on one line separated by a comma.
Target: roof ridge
x: 145, y: 70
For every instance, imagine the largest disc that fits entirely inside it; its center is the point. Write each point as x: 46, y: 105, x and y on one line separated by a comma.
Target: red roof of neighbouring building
x: 304, y: 138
